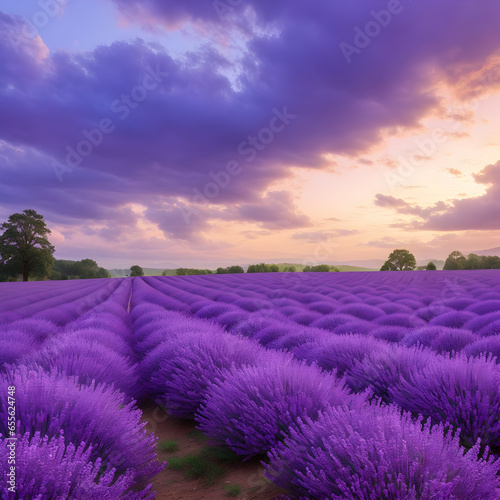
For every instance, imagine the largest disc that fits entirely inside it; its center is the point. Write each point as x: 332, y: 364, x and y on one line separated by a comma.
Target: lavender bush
x: 178, y: 373
x: 465, y: 392
x: 51, y: 469
x: 375, y: 453
x: 252, y: 409
x: 97, y: 415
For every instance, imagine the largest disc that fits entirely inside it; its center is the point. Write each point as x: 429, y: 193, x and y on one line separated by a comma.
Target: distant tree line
x: 75, y: 270
x: 230, y: 270
x: 429, y: 267
x: 136, y: 271
x: 457, y: 261
x: 263, y: 268
x: 254, y: 268
x: 321, y: 268
x: 185, y: 271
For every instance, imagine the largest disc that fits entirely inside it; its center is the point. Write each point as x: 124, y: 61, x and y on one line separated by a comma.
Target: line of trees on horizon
x: 403, y: 260
x: 457, y: 261
x: 252, y: 268
x: 26, y: 251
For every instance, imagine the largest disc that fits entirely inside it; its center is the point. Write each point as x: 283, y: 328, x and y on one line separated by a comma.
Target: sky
x: 206, y: 133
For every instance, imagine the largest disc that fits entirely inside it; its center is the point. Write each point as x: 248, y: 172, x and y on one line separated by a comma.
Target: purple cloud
x: 479, y: 213
x: 403, y: 207
x: 158, y: 126
x: 276, y: 210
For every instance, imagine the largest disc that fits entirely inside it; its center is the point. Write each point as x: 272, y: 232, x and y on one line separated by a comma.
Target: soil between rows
x: 172, y: 485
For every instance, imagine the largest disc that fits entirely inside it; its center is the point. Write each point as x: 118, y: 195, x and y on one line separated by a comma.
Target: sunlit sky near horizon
x: 348, y: 129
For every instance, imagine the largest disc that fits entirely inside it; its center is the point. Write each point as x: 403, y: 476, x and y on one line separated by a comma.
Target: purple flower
x: 463, y: 392
x: 96, y: 415
x: 252, y: 409
x: 374, y: 452
x: 47, y: 469
x: 178, y: 372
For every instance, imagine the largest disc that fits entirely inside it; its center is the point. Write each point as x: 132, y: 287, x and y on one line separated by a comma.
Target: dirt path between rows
x: 172, y: 485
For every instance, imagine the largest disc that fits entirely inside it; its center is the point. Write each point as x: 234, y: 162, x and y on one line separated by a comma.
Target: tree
x: 400, y: 260
x: 455, y: 261
x: 263, y: 268
x: 185, y: 271
x: 290, y: 269
x: 75, y: 270
x: 320, y: 268
x: 431, y: 267
x: 388, y: 266
x: 24, y: 247
x: 230, y: 270
x: 136, y: 271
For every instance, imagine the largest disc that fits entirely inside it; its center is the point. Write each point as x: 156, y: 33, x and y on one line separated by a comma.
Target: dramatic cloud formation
x: 211, y: 135
x: 404, y: 207
x: 480, y: 213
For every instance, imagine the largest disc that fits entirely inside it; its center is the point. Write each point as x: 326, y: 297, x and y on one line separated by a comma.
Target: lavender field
x: 346, y: 385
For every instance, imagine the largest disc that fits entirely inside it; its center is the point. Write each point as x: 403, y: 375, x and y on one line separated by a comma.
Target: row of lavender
x: 72, y: 378
x: 254, y: 399
x: 353, y: 443
x: 455, y: 312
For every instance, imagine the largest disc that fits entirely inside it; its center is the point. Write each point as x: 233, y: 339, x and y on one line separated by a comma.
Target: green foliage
x: 320, y: 268
x: 179, y: 463
x: 168, y: 272
x: 290, y: 269
x: 457, y: 261
x: 24, y: 247
x: 230, y: 270
x: 184, y: 271
x: 136, y: 271
x: 74, y: 270
x: 400, y: 260
x: 197, y: 466
x: 263, y: 268
x: 220, y: 453
x: 197, y: 435
x: 168, y: 445
x: 431, y: 267
x: 232, y: 490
